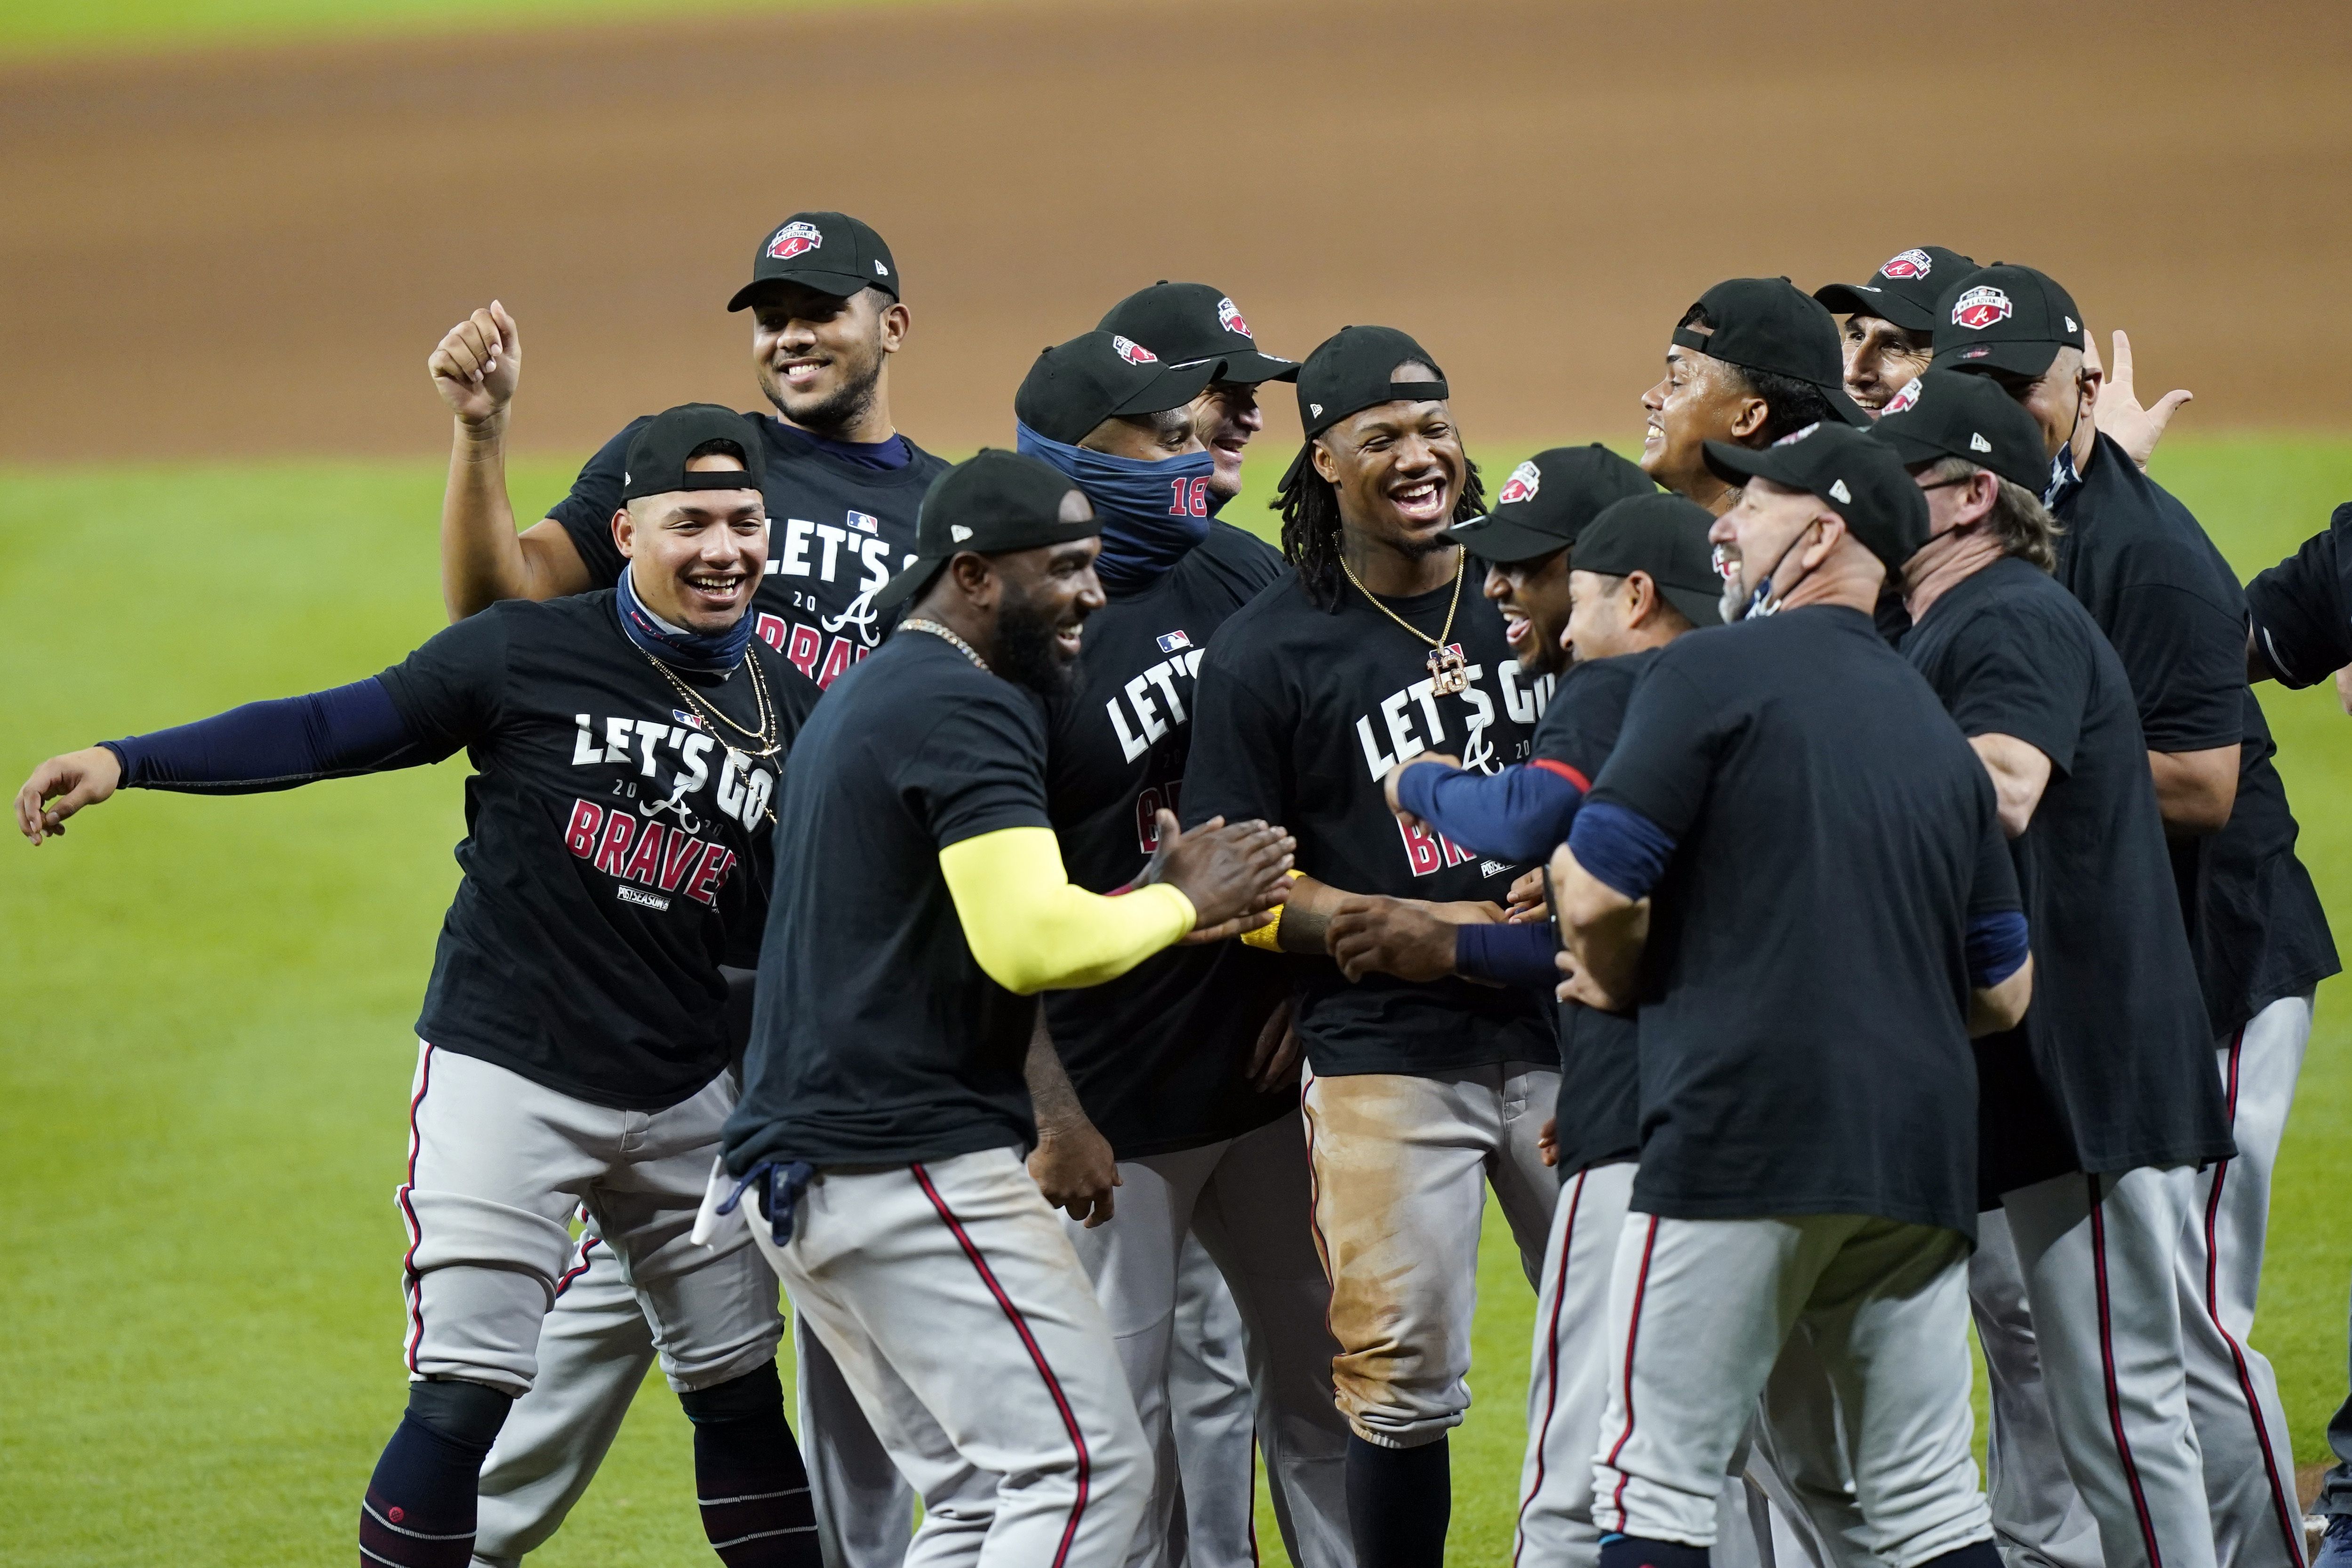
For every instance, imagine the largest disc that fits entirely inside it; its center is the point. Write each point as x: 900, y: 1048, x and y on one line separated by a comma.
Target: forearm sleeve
x: 273, y: 745
x: 1032, y: 931
x: 1519, y: 814
x: 1622, y: 848
x: 1515, y: 955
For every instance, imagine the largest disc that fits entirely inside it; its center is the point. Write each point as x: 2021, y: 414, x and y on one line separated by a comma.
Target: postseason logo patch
x: 1229, y: 316
x: 1522, y: 485
x: 1909, y: 264
x: 1907, y: 398
x: 1980, y: 307
x: 794, y: 239
x: 865, y: 522
x: 1794, y: 436
x: 1170, y: 641
x: 1133, y: 353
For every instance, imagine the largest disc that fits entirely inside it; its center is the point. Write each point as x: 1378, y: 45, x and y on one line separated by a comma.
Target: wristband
x: 1265, y: 936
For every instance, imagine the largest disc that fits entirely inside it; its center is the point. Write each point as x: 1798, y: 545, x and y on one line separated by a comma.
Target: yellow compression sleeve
x: 1032, y: 931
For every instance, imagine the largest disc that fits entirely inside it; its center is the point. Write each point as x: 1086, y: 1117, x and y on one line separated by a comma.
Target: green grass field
x: 207, y: 1006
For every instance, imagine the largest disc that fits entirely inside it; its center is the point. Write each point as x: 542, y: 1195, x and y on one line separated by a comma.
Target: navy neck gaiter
x: 712, y: 653
x: 1152, y: 512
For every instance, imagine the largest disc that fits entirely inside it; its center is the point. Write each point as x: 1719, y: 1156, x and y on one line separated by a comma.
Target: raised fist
x: 477, y: 365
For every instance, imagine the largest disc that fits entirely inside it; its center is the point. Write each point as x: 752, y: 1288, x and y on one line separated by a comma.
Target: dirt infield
x: 250, y: 253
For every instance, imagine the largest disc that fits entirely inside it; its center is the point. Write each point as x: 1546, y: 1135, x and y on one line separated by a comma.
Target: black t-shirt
x: 2118, y: 1061
x: 1805, y: 990
x: 1598, y: 1112
x: 2171, y: 607
x: 1158, y: 1055
x: 838, y: 531
x: 616, y: 851
x: 2302, y: 607
x: 877, y: 1038
x: 1299, y: 714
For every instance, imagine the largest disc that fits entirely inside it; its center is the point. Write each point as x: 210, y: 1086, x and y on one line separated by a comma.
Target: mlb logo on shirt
x: 691, y: 721
x: 1173, y: 641
x: 865, y: 522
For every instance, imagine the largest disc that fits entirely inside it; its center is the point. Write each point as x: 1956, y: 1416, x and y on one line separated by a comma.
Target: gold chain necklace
x: 925, y: 623
x: 1449, y: 672
x: 767, y: 735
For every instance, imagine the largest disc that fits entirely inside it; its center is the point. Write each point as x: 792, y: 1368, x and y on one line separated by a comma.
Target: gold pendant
x: 1449, y: 673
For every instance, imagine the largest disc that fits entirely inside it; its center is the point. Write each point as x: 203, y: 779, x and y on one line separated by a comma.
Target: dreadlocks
x: 1310, y: 505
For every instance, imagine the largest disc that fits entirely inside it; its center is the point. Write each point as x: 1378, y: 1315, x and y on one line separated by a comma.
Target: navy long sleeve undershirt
x: 275, y: 744
x: 1519, y: 814
x: 1514, y: 954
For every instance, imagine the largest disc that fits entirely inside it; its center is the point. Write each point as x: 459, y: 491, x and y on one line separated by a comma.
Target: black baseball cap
x: 1904, y: 290
x: 655, y: 464
x: 1860, y: 479
x: 1769, y: 324
x: 989, y: 504
x: 1548, y: 501
x: 1186, y: 322
x: 2008, y: 318
x: 832, y: 253
x: 1351, y: 371
x: 1665, y: 536
x: 1077, y: 385
x: 1945, y: 414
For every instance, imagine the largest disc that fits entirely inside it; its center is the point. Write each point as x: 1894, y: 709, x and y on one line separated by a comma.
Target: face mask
x: 2062, y: 476
x: 1762, y: 603
x: 710, y: 653
x: 1152, y: 512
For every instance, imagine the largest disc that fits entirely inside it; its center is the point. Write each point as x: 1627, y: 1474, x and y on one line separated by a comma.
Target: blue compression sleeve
x: 1519, y: 814
x: 1996, y: 947
x: 273, y: 745
x: 1515, y: 955
x: 1622, y: 847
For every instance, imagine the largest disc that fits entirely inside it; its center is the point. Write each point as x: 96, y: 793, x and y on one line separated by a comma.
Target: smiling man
x: 1192, y: 323
x: 885, y: 1104
x: 1889, y: 332
x: 1374, y: 647
x: 573, y: 1048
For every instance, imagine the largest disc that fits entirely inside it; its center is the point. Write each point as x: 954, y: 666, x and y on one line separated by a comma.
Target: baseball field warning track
x: 249, y: 252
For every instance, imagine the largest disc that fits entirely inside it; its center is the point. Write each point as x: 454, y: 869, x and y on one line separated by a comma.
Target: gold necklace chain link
x: 1461, y: 561
x: 766, y: 736
x: 925, y: 623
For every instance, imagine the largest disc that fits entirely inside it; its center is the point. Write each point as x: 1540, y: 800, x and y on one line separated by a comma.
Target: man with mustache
x: 842, y: 489
x: 1418, y: 1095
x: 885, y: 1104
x: 2172, y: 609
x: 573, y: 1048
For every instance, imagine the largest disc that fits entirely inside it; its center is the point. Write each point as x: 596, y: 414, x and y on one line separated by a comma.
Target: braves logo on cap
x: 797, y: 238
x: 1522, y: 485
x: 1133, y: 353
x: 1229, y: 316
x: 1794, y: 436
x: 1980, y: 307
x: 1907, y: 398
x: 1909, y: 264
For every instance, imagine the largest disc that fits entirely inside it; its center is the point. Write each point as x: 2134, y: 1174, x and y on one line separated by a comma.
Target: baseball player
x: 842, y: 489
x: 1794, y: 863
x: 2094, y: 1115
x: 1889, y: 332
x: 573, y: 1044
x: 1642, y: 577
x: 885, y: 1111
x: 1170, y: 1061
x: 2173, y: 610
x: 1418, y: 1095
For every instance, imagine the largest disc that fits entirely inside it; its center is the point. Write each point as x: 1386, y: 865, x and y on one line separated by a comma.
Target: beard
x: 1025, y: 651
x: 838, y: 411
x: 1733, y: 605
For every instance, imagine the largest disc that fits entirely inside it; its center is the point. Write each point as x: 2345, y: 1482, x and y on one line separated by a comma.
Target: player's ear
x: 1749, y: 416
x: 624, y: 532
x: 894, y: 322
x: 1644, y: 593
x: 1327, y: 466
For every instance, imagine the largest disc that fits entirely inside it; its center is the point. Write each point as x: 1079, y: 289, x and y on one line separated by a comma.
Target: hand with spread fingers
x: 478, y: 363
x: 62, y: 786
x: 1233, y: 873
x: 2118, y: 411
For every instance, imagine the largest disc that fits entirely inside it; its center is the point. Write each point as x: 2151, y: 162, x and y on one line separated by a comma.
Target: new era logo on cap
x: 1133, y: 353
x: 1522, y: 485
x: 2070, y: 325
x: 1838, y: 492
x: 1908, y: 264
x: 1976, y: 443
x: 881, y: 271
x: 1980, y: 307
x: 958, y: 532
x: 795, y: 239
x: 1229, y: 316
x: 1173, y: 641
x: 1317, y: 409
